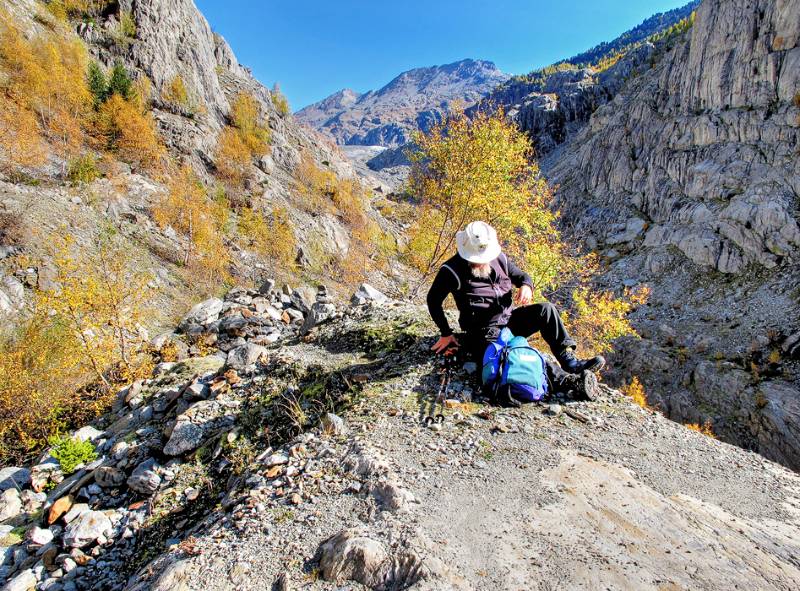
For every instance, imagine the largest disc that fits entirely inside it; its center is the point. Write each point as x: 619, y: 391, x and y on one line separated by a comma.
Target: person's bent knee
x: 548, y: 308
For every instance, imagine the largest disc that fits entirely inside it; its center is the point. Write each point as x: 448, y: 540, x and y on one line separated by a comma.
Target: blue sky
x: 314, y: 48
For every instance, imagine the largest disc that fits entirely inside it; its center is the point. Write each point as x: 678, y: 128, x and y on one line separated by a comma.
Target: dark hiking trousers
x: 544, y: 319
x: 525, y: 322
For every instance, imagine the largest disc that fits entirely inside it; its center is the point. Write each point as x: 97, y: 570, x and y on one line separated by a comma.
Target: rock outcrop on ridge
x: 261, y: 458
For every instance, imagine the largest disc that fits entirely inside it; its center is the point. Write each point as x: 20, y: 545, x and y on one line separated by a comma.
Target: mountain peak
x: 415, y: 99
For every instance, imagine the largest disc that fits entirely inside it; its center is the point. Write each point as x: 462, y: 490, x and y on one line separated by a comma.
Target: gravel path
x: 519, y: 499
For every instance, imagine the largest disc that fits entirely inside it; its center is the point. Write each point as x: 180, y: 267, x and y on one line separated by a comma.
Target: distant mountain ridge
x: 416, y: 99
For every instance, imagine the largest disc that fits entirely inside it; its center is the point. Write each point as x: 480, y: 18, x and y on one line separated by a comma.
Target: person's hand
x: 524, y: 296
x: 444, y: 343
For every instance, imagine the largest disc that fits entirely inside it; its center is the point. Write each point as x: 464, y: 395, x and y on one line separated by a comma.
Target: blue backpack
x: 513, y: 371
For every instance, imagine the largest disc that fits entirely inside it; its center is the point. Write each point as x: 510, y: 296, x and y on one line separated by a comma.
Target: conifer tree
x: 98, y: 85
x: 120, y: 82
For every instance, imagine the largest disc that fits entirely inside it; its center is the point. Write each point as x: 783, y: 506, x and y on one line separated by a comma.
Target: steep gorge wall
x: 688, y: 181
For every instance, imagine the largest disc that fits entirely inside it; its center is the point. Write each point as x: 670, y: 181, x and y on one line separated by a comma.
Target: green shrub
x: 71, y: 452
x: 127, y: 25
x: 125, y: 30
x: 83, y: 169
x: 120, y: 82
x: 97, y: 83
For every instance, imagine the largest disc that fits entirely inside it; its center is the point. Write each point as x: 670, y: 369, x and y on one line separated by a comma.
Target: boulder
x: 351, y: 556
x: 318, y: 314
x: 144, y: 479
x: 267, y: 287
x: 203, y: 313
x: 24, y: 581
x: 366, y: 294
x: 173, y: 340
x: 10, y: 504
x: 86, y: 529
x: 109, y: 477
x: 632, y: 229
x: 201, y: 421
x: 244, y: 356
x: 173, y: 578
x: 75, y: 511
x: 32, y: 501
x: 12, y: 295
x: 303, y: 298
x: 87, y: 433
x: 59, y: 508
x: 14, y: 477
x: 391, y: 496
x: 40, y: 536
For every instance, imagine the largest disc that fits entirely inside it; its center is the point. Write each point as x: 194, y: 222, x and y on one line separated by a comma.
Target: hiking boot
x: 571, y: 364
x: 583, y: 387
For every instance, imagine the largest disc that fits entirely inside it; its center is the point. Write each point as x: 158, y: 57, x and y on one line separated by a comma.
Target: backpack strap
x: 503, y: 259
x: 449, y: 268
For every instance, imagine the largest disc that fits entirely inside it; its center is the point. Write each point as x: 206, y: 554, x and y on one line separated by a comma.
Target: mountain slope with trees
x: 138, y: 171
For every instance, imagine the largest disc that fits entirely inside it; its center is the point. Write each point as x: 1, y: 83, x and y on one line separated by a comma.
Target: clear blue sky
x: 314, y: 48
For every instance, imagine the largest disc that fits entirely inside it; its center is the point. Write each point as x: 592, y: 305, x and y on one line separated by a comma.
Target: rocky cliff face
x: 554, y: 107
x: 554, y: 103
x: 212, y: 76
x: 415, y: 99
x: 688, y: 181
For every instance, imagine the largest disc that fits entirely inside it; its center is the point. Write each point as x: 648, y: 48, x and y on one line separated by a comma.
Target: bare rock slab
x: 201, y: 421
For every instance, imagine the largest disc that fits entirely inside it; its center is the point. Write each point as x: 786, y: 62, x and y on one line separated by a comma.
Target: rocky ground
x: 286, y: 448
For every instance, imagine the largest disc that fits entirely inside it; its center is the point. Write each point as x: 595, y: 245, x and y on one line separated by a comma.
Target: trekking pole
x: 444, y: 386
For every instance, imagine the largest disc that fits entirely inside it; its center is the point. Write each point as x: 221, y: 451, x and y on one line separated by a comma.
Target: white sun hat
x: 478, y: 243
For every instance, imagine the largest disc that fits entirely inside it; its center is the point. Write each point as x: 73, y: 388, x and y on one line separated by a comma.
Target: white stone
x: 86, y: 529
x: 10, y: 504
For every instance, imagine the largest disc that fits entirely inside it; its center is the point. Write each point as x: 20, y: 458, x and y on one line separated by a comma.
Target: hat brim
x: 487, y: 255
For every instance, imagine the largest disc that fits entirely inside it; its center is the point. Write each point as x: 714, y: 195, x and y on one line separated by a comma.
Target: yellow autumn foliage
x: 233, y: 157
x: 324, y: 191
x: 315, y: 185
x: 21, y: 143
x: 100, y: 299
x: 280, y: 101
x: 483, y: 169
x: 599, y: 318
x: 130, y: 133
x: 705, y: 429
x: 635, y: 391
x: 271, y: 236
x: 189, y: 210
x: 176, y: 91
x: 247, y: 137
x: 43, y: 79
x: 38, y: 377
x: 75, y: 8
x: 56, y: 369
x: 247, y: 119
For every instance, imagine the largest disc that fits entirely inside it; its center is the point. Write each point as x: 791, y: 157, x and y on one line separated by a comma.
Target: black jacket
x: 483, y: 304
